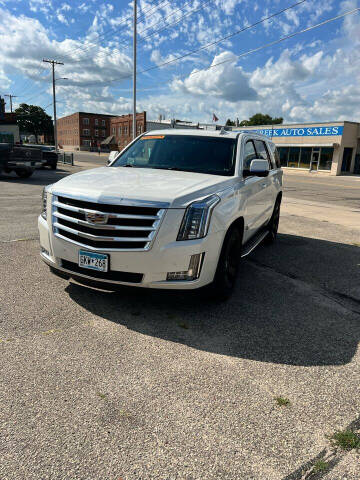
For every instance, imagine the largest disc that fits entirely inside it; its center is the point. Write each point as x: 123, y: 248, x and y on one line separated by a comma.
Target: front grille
x: 122, y: 227
x: 128, y: 277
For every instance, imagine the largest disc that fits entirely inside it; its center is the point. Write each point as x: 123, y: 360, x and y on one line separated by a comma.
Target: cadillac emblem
x: 96, y: 218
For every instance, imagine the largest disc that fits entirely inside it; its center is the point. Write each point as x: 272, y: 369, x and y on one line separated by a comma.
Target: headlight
x: 44, y: 202
x: 195, y: 223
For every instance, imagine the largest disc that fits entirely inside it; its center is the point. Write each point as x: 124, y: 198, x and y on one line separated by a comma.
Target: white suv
x: 176, y: 209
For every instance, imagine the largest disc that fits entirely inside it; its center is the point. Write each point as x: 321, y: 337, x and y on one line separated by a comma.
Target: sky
x: 314, y: 76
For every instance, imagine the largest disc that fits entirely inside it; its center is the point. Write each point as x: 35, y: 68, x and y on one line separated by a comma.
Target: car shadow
x: 280, y: 312
x: 39, y: 177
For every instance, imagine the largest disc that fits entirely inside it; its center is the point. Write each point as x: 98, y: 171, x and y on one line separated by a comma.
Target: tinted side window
x: 249, y: 154
x: 262, y: 151
x: 275, y: 152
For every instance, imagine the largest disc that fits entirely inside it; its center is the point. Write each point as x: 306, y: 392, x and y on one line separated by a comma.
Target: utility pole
x: 53, y: 63
x: 134, y: 70
x: 11, y: 97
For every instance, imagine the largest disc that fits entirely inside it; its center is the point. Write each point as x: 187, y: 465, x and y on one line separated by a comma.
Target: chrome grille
x: 124, y: 227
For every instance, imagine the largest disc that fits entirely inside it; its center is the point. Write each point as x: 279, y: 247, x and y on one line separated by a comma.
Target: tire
x: 24, y: 173
x: 228, y: 266
x: 273, y: 225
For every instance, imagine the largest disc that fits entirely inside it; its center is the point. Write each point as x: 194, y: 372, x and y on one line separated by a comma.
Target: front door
x: 314, y: 162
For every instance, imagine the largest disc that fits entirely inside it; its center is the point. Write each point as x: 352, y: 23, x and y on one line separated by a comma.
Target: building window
x: 103, y: 123
x: 86, y: 143
x: 96, y: 133
x: 283, y: 153
x: 96, y: 121
x: 326, y: 156
x: 86, y: 121
x: 119, y: 130
x: 125, y: 129
x: 346, y: 161
x: 113, y: 130
x: 293, y: 160
x: 103, y: 133
x: 302, y: 157
x: 305, y: 157
x: 86, y: 131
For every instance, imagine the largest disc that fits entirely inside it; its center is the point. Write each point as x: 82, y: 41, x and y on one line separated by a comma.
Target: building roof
x: 109, y: 140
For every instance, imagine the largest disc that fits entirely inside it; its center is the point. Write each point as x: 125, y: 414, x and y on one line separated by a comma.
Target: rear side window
x: 262, y: 152
x: 249, y: 154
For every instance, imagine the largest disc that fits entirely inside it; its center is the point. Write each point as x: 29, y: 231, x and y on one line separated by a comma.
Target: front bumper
x: 166, y: 255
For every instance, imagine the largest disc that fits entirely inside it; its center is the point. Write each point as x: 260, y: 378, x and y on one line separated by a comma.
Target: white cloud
x: 226, y: 81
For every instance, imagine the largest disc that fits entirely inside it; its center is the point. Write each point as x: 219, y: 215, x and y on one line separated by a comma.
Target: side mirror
x: 258, y: 168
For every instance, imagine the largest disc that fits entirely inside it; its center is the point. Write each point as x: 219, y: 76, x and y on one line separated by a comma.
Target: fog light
x: 193, y: 273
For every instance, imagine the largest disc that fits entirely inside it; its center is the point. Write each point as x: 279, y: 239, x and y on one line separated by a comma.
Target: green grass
x: 282, y: 401
x: 320, y: 466
x: 102, y: 395
x: 346, y: 440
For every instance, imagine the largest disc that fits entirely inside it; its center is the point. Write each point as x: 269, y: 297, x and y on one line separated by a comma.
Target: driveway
x: 156, y: 385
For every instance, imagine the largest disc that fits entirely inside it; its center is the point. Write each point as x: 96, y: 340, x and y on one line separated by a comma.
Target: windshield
x: 188, y: 153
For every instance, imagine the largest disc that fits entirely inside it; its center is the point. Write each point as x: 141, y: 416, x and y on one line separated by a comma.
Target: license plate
x: 93, y: 261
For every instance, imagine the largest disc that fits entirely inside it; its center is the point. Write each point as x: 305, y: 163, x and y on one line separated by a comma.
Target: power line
x: 141, y: 40
x: 11, y: 97
x: 112, y: 31
x: 101, y: 55
x: 282, y: 39
x: 203, y: 47
x: 226, y: 37
x: 41, y: 68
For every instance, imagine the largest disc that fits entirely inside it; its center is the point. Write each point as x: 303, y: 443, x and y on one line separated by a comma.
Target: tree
x: 261, y: 119
x: 229, y: 123
x: 34, y: 120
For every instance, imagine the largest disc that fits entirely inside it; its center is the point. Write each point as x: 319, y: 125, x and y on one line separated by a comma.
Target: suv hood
x: 109, y: 184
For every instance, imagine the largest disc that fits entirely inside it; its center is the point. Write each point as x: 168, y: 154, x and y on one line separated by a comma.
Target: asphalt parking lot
x: 156, y: 385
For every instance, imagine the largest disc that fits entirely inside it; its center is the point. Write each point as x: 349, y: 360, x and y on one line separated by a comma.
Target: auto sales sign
x: 326, y: 131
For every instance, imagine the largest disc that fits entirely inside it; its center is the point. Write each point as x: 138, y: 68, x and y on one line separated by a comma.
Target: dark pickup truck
x: 19, y: 159
x: 49, y: 155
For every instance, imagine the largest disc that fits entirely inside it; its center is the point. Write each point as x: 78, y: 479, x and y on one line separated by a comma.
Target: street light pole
x: 53, y: 63
x: 134, y: 70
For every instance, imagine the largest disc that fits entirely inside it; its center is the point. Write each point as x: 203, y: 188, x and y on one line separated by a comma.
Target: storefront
x: 332, y: 147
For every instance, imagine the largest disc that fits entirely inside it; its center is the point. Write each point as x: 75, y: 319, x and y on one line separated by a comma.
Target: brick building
x: 9, y: 129
x: 121, y: 128
x: 83, y: 130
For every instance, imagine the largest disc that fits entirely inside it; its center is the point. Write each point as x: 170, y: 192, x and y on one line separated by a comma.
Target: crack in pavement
x: 345, y: 301
x: 331, y: 456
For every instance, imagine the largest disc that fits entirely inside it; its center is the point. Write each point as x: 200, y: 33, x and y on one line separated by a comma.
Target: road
x: 156, y: 385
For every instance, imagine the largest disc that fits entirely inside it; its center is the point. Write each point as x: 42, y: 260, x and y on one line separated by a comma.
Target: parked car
x: 177, y: 209
x: 49, y: 155
x: 19, y: 159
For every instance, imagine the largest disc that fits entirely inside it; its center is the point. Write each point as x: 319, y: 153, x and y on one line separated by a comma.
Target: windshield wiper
x: 170, y: 168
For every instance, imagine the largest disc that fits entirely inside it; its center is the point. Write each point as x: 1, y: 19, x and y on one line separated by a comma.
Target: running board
x: 253, y: 243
